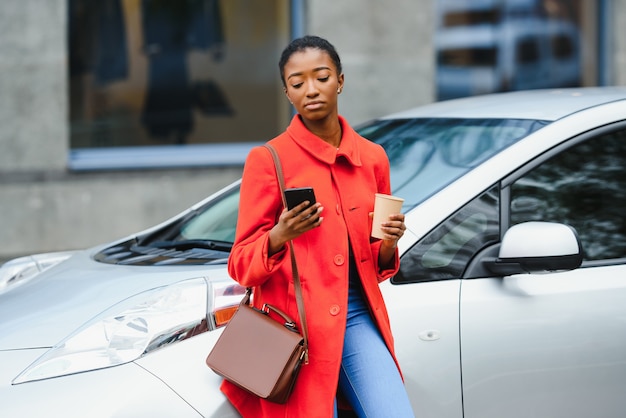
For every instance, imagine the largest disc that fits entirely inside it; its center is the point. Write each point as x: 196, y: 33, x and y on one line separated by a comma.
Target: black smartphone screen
x: 298, y: 195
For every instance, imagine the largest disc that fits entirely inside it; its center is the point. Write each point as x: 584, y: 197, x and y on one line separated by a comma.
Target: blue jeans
x: 369, y: 378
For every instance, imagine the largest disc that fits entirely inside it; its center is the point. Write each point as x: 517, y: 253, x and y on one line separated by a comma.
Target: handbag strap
x: 294, y: 265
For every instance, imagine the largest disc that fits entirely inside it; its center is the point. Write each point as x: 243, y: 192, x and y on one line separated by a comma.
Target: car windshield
x: 425, y: 156
x: 211, y: 226
x: 428, y: 154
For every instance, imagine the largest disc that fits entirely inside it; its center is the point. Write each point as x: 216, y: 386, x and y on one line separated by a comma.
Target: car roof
x: 546, y: 104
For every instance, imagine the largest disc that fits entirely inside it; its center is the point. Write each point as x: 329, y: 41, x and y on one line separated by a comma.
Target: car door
x: 425, y: 325
x: 423, y: 303
x: 554, y: 345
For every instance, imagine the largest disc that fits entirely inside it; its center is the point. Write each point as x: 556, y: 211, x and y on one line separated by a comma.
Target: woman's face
x: 312, y: 83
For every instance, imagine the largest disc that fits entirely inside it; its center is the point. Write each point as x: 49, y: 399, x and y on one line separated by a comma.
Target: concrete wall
x: 386, y: 50
x: 59, y: 212
x: 33, y: 86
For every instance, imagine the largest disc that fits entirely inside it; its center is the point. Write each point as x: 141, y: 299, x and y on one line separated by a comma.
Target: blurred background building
x: 117, y: 114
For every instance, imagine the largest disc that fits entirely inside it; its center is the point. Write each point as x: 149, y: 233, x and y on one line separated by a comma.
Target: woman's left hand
x: 393, y: 229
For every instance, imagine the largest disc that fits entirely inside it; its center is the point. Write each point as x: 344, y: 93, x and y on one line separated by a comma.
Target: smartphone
x: 298, y: 195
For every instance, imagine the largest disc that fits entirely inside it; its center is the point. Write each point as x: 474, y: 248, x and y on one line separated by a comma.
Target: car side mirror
x: 537, y: 247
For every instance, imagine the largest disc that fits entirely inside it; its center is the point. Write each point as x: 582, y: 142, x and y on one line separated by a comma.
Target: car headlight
x: 20, y: 270
x: 127, y: 331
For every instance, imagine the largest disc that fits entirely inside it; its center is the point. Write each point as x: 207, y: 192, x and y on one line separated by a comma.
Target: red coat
x: 345, y: 181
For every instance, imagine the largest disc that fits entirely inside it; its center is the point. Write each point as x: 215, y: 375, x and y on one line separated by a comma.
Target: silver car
x: 510, y: 300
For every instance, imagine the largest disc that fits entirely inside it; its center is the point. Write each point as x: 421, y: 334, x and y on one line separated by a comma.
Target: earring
x: 338, y: 91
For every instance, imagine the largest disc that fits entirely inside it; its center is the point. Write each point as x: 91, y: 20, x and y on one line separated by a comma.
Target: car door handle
x: 430, y: 335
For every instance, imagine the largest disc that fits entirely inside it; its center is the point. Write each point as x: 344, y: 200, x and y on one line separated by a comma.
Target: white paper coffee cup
x: 384, y: 205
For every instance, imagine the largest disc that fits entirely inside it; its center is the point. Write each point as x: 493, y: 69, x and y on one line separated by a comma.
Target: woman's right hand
x: 293, y: 223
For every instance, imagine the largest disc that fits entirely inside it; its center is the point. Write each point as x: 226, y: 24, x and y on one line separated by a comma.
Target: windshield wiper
x: 194, y: 243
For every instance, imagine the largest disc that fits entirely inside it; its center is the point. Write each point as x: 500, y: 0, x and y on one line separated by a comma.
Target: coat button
x: 339, y: 260
x: 334, y: 310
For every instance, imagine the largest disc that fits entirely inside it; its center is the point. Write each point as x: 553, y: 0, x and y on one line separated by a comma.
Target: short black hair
x: 305, y: 42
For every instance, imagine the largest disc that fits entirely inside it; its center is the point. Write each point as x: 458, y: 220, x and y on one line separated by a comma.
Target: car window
x: 583, y: 186
x: 218, y: 222
x: 215, y: 221
x: 428, y: 154
x: 528, y: 51
x: 445, y: 252
x: 562, y: 46
x: 204, y: 235
x: 468, y: 57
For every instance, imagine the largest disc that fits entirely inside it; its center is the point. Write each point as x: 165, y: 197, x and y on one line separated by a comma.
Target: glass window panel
x: 164, y: 72
x: 428, y: 154
x: 487, y: 46
x: 445, y: 252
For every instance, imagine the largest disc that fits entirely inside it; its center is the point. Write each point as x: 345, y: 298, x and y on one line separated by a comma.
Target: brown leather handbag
x: 257, y: 352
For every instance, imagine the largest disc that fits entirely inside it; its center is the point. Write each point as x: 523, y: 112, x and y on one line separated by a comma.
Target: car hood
x: 45, y: 310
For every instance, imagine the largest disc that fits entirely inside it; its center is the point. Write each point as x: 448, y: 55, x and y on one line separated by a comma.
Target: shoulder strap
x: 294, y: 266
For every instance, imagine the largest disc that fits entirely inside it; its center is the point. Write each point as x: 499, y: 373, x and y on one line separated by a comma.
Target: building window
x: 534, y: 44
x: 170, y: 82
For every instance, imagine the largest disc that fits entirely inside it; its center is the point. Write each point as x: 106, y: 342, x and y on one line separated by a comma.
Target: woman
x: 350, y: 344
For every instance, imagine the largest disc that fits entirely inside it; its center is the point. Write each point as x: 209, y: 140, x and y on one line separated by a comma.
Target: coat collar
x: 322, y: 150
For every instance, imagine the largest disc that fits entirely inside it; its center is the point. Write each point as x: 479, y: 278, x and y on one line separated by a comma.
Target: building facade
x: 50, y: 202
